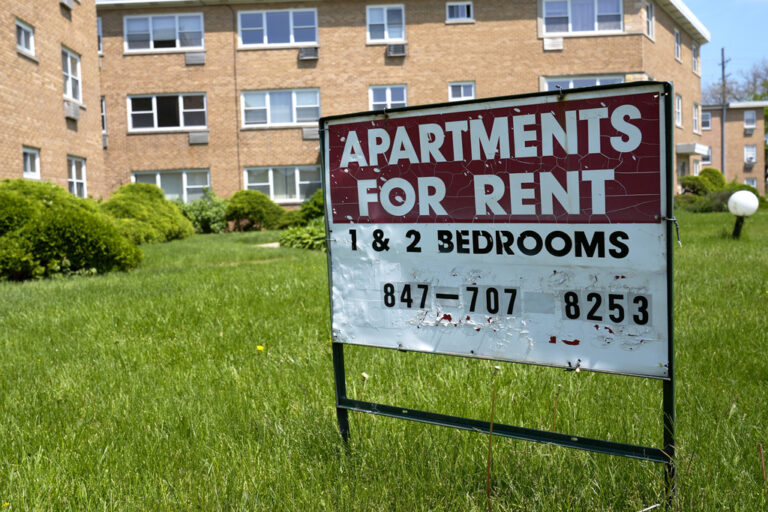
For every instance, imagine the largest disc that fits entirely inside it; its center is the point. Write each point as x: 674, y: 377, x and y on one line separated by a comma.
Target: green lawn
x: 203, y: 381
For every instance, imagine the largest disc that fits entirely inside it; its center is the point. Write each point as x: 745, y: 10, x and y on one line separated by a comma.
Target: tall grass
x: 203, y: 381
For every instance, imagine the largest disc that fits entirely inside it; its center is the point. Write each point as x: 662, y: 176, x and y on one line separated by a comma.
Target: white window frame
x: 267, y: 44
x: 695, y: 59
x: 570, y: 79
x: 387, y: 39
x: 750, y: 151
x: 752, y: 182
x: 271, y: 180
x: 696, y: 127
x: 267, y: 107
x: 175, y: 49
x: 706, y: 120
x: 650, y: 20
x: 707, y: 159
x: 678, y: 110
x: 460, y: 19
x: 570, y: 31
x: 750, y: 124
x: 166, y: 129
x: 462, y: 85
x: 34, y: 160
x: 103, y: 115
x: 99, y: 35
x: 185, y: 187
x: 678, y: 46
x: 388, y: 89
x: 29, y: 32
x: 696, y: 167
x: 70, y: 76
x: 72, y: 180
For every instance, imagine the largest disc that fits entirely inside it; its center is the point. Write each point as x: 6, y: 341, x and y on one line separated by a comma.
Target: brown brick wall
x: 31, y: 92
x: 502, y: 52
x: 735, y: 140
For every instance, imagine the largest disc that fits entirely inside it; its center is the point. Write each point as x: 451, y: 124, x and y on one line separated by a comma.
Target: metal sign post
x: 531, y: 229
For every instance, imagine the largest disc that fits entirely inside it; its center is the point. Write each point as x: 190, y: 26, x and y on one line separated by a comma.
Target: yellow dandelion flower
x: 259, y: 347
x: 6, y: 504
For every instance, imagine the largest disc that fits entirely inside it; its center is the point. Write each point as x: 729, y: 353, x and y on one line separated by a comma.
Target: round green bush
x: 692, y: 203
x: 15, y: 210
x: 714, y: 177
x: 251, y: 209
x: 16, y: 259
x: 207, y: 214
x: 313, y: 207
x: 289, y: 219
x: 147, y: 204
x: 696, y: 185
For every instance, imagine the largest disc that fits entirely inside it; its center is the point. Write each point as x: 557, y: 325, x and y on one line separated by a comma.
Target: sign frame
x: 664, y: 455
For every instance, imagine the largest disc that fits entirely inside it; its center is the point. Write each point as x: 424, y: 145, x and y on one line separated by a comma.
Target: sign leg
x: 670, y: 470
x: 341, y: 390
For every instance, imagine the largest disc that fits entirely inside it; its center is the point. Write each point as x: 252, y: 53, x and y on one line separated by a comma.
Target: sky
x: 738, y: 25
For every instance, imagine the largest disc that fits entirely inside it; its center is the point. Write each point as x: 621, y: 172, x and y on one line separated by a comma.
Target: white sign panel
x: 526, y: 229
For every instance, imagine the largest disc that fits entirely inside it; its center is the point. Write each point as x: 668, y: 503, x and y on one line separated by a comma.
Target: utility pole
x: 724, y: 102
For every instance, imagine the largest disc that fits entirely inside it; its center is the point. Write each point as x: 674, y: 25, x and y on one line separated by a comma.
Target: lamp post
x: 742, y: 204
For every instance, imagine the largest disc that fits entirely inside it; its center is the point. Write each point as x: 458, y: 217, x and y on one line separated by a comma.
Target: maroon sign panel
x: 569, y: 161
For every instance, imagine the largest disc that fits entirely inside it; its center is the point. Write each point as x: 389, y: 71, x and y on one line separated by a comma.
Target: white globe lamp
x: 742, y: 204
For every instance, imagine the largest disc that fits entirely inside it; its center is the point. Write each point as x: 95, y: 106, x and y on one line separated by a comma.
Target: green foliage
x: 208, y: 214
x: 696, y: 185
x: 251, y: 209
x: 313, y: 207
x: 146, y: 203
x: 714, y: 177
x: 311, y: 236
x: 290, y: 218
x: 45, y: 231
x: 692, y: 203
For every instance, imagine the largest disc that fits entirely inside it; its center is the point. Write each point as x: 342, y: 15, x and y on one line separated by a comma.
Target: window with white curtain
x: 706, y: 120
x: 678, y: 110
x: 289, y: 107
x: 750, y: 154
x: 287, y: 27
x: 578, y: 16
x: 187, y: 185
x: 284, y: 184
x: 387, y: 96
x: 750, y: 119
x: 163, y: 32
x: 76, y: 176
x: 70, y: 66
x: 385, y: 23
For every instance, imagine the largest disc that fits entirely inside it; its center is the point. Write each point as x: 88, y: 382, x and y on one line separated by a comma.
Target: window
x: 386, y: 23
x: 31, y: 159
x: 752, y: 182
x: 696, y: 118
x: 387, y: 96
x: 458, y: 12
x: 707, y: 159
x: 677, y: 45
x: 98, y: 34
x: 280, y: 108
x: 76, y: 176
x: 706, y: 120
x: 70, y: 64
x: 284, y: 184
x: 103, y: 115
x: 25, y: 38
x: 461, y: 91
x: 678, y: 110
x: 650, y: 20
x: 164, y: 32
x: 750, y: 119
x: 563, y: 16
x: 581, y: 81
x: 682, y: 168
x: 750, y: 154
x: 291, y: 27
x: 167, y: 112
x: 695, y: 58
x: 696, y: 167
x: 187, y: 185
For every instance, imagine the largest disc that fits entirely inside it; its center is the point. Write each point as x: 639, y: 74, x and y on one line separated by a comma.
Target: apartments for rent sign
x: 526, y: 229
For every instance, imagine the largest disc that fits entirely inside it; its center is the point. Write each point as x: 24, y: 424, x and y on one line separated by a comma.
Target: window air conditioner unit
x: 308, y: 53
x: 69, y: 4
x: 396, y: 50
x: 750, y: 160
x: 71, y: 110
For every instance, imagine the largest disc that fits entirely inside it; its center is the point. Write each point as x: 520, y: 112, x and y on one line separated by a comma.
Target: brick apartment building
x: 744, y: 141
x: 49, y: 94
x: 226, y: 94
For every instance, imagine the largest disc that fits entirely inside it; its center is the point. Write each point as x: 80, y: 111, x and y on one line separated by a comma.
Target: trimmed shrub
x: 696, y: 185
x: 251, y: 209
x: 313, y: 207
x: 208, y: 214
x: 47, y: 231
x: 289, y: 219
x: 147, y: 204
x: 311, y: 236
x: 714, y: 177
x: 692, y: 203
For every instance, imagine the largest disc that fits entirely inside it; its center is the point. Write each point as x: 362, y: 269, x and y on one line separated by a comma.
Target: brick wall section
x: 31, y: 92
x: 502, y: 52
x: 735, y: 140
